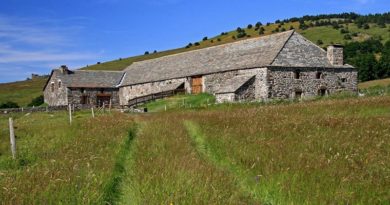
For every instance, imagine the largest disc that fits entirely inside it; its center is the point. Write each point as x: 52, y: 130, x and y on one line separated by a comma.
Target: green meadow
x: 324, y: 151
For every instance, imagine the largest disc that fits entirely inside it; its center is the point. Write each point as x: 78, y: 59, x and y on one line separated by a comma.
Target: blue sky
x: 37, y: 36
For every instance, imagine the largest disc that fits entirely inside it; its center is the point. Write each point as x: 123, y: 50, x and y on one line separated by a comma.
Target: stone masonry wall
x: 75, y: 95
x: 212, y: 82
x: 130, y: 92
x: 224, y: 97
x: 247, y: 91
x: 58, y: 96
x: 282, y: 83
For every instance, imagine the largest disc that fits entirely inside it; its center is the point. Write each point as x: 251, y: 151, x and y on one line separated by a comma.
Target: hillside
x: 327, y: 34
x: 21, y: 92
x: 300, y: 153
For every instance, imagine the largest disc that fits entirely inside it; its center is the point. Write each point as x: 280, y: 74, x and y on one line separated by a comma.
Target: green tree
x: 366, y: 65
x: 36, y: 101
x: 9, y: 104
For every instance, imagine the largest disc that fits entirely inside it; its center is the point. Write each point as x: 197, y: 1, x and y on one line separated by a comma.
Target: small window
x: 102, y: 90
x: 52, y: 86
x: 343, y: 80
x: 59, y: 84
x: 319, y: 75
x: 82, y: 90
x: 297, y: 74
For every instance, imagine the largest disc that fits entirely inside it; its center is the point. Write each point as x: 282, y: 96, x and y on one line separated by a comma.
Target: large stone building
x: 283, y: 65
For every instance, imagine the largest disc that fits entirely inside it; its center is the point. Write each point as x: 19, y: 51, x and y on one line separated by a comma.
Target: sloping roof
x: 88, y: 79
x: 233, y: 84
x: 250, y: 53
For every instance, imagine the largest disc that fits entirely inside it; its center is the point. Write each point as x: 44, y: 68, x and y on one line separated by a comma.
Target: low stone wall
x: 33, y: 109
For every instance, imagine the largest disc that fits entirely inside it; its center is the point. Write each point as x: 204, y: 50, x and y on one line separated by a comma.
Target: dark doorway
x: 298, y: 94
x: 84, y: 100
x: 103, y: 99
x: 322, y: 92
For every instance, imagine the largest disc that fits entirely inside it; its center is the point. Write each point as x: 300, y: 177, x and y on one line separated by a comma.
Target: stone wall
x: 282, y: 82
x: 57, y: 96
x: 212, y: 82
x: 224, y: 97
x: 130, y: 92
x: 75, y: 95
x: 247, y: 91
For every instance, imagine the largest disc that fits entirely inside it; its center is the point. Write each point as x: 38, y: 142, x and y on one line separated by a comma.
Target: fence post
x: 109, y: 108
x: 93, y: 113
x: 12, y: 137
x: 70, y: 113
x: 165, y: 107
x: 104, y: 107
x: 22, y: 109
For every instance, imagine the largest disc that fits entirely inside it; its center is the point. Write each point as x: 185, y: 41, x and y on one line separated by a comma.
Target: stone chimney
x: 64, y: 69
x: 336, y: 55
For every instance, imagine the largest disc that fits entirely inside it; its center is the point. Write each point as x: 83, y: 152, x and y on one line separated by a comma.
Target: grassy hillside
x: 374, y: 83
x: 21, y: 92
x: 321, y: 152
x: 327, y: 34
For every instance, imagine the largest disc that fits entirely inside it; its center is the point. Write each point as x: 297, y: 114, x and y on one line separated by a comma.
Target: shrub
x: 154, y: 51
x: 36, y: 101
x: 347, y: 37
x: 146, y: 52
x: 366, y: 26
x: 342, y: 31
x: 197, y: 44
x: 205, y: 38
x: 9, y: 104
x: 283, y: 29
x: 291, y: 27
x: 98, y: 63
x: 320, y: 42
x: 258, y: 24
x: 218, y: 39
x: 239, y: 29
x: 212, y: 41
x: 250, y: 26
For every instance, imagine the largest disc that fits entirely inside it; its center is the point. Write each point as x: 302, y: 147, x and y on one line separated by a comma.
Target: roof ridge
x: 112, y: 71
x: 216, y: 46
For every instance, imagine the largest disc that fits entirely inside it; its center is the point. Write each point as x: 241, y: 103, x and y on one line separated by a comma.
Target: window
x: 84, y: 100
x: 82, y: 90
x: 59, y: 84
x: 319, y: 75
x: 52, y: 86
x: 297, y: 74
x: 102, y: 90
x: 343, y: 80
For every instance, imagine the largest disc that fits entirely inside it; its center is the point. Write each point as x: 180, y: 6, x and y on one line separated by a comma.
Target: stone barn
x: 82, y: 87
x: 279, y: 66
x: 283, y: 65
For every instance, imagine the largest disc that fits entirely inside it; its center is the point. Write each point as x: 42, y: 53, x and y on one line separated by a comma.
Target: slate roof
x: 91, y: 79
x: 233, y: 84
x: 250, y: 53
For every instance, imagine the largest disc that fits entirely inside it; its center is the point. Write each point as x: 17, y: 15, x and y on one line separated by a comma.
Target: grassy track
x: 58, y: 163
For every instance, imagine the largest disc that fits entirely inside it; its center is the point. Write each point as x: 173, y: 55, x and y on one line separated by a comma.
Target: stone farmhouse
x: 278, y: 66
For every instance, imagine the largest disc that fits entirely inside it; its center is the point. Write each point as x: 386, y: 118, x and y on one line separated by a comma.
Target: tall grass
x: 59, y: 163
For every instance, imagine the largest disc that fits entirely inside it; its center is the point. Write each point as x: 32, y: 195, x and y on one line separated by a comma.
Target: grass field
x: 21, y: 92
x: 328, y: 151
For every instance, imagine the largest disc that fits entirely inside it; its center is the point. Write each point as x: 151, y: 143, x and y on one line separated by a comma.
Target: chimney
x: 64, y: 69
x: 336, y: 55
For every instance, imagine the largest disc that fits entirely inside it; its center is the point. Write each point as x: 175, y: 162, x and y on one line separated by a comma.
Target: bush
x: 154, y: 51
x: 283, y: 29
x: 197, y: 44
x: 320, y: 42
x: 250, y: 26
x: 347, y: 37
x: 36, y: 101
x: 343, y: 31
x: 205, y: 38
x: 218, y: 39
x: 239, y: 29
x: 146, y: 53
x: 258, y: 24
x: 291, y: 27
x: 9, y: 104
x: 366, y: 26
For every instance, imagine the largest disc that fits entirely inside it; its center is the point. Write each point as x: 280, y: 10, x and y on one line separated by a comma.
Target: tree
x: 347, y: 37
x: 205, y: 38
x: 146, y: 52
x: 36, y: 101
x: 9, y: 104
x: 258, y: 24
x: 250, y: 26
x: 366, y: 64
x: 218, y: 39
x: 197, y: 44
x: 239, y: 29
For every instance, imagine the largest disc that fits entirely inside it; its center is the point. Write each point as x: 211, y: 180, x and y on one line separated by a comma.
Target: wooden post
x: 22, y: 109
x: 93, y: 113
x: 70, y: 113
x: 165, y: 107
x: 47, y: 109
x: 12, y: 137
x: 109, y: 108
x: 104, y: 107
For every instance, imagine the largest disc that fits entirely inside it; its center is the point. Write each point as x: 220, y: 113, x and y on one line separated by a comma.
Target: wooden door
x: 197, y: 86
